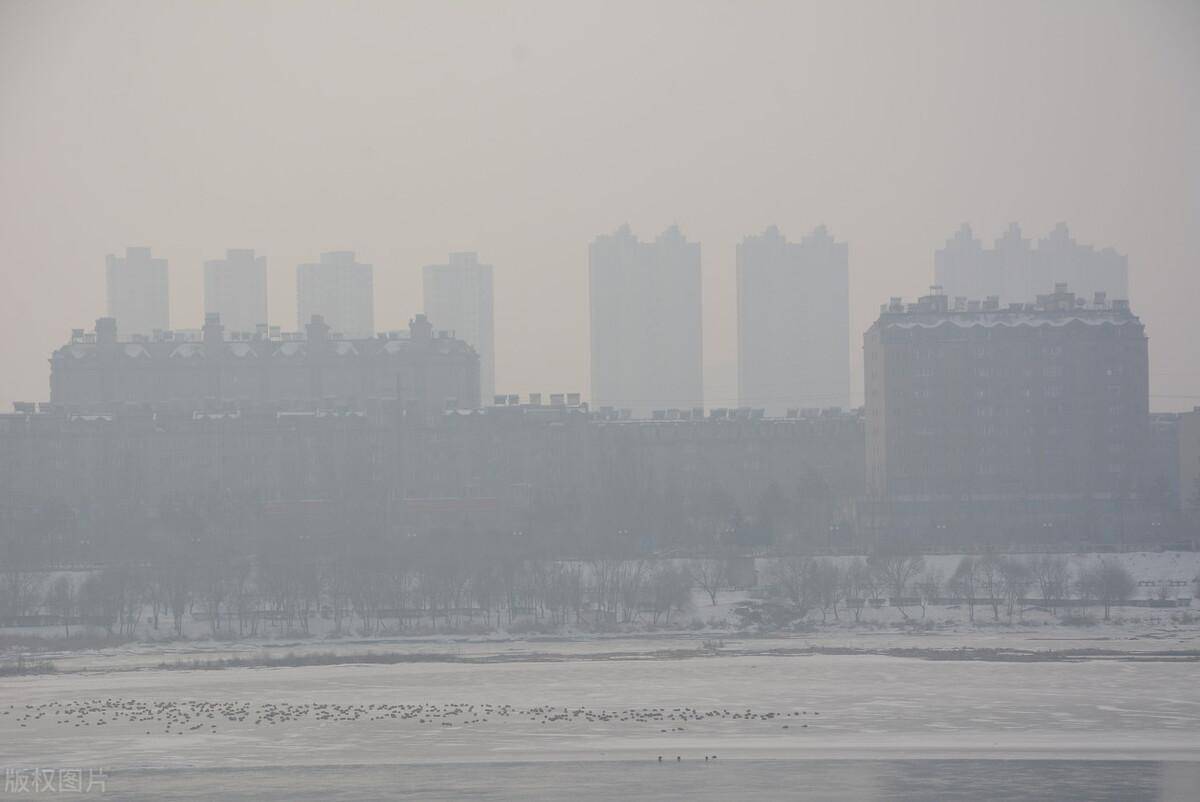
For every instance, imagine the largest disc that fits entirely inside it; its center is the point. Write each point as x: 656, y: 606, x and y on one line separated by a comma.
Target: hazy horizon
x: 296, y: 128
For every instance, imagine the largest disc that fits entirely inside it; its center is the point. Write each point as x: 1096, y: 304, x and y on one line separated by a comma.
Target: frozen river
x: 825, y: 726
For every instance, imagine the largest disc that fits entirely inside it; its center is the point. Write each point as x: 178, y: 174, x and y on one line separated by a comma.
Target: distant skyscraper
x: 1014, y: 271
x: 339, y: 289
x: 137, y: 292
x: 646, y: 328
x: 793, y: 322
x: 458, y: 298
x: 236, y: 289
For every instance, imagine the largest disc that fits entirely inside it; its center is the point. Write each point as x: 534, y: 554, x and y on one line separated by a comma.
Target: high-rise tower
x: 793, y: 322
x: 646, y: 329
x: 339, y: 289
x: 236, y: 289
x: 1014, y: 271
x: 458, y: 298
x: 138, y: 292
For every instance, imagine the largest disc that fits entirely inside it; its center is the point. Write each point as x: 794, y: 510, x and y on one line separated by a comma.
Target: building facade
x: 100, y: 370
x: 235, y: 289
x: 979, y: 415
x: 1014, y: 270
x: 1189, y: 464
x: 1163, y: 458
x: 559, y: 473
x: 793, y: 322
x: 646, y: 322
x: 341, y: 291
x: 458, y: 298
x: 138, y: 291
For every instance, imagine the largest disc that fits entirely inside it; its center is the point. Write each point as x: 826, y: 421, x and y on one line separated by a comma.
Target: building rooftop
x: 1056, y: 309
x: 267, y: 342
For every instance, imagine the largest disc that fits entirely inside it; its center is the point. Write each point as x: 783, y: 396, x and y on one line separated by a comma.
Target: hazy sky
x: 405, y: 131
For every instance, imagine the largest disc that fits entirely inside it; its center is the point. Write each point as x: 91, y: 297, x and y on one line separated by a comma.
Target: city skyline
x: 993, y: 123
x: 778, y: 318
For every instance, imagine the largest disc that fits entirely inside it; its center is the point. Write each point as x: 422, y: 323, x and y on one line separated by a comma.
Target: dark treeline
x: 1005, y: 584
x: 225, y: 561
x: 440, y: 581
x: 228, y: 565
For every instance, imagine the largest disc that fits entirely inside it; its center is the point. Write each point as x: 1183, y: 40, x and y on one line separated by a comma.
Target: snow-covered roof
x: 240, y: 350
x: 188, y: 351
x: 1009, y: 320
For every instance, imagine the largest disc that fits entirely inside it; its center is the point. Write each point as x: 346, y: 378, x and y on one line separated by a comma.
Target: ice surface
x: 854, y: 706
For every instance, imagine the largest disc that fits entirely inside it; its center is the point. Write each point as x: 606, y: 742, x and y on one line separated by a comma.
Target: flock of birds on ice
x: 201, y: 717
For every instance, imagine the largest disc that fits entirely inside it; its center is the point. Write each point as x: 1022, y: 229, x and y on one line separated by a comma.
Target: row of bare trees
x: 1001, y: 583
x: 283, y: 583
x: 450, y: 580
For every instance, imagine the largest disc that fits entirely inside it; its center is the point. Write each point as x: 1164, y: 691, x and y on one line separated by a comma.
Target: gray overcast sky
x: 404, y: 131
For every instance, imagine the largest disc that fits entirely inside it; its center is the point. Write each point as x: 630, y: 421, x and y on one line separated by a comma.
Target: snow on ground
x: 840, y: 706
x: 1136, y: 628
x: 1146, y: 633
x: 604, y: 706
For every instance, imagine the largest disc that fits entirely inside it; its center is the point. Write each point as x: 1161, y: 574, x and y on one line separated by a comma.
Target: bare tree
x: 561, y: 589
x: 965, y: 582
x: 1052, y: 574
x: 895, y: 570
x: 603, y: 576
x: 20, y: 586
x: 630, y: 577
x: 1015, y: 579
x: 856, y: 585
x: 667, y: 590
x: 60, y: 600
x: 487, y: 588
x: 213, y: 583
x: 1108, y: 582
x: 709, y: 575
x: 245, y: 600
x: 119, y: 593
x: 990, y: 581
x: 929, y: 587
x: 178, y: 585
x: 789, y: 576
x: 826, y: 583
x: 100, y: 600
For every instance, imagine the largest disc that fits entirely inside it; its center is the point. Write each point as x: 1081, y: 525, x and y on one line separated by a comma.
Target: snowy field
x: 906, y: 713
x: 747, y: 707
x: 518, y: 728
x: 1133, y: 630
